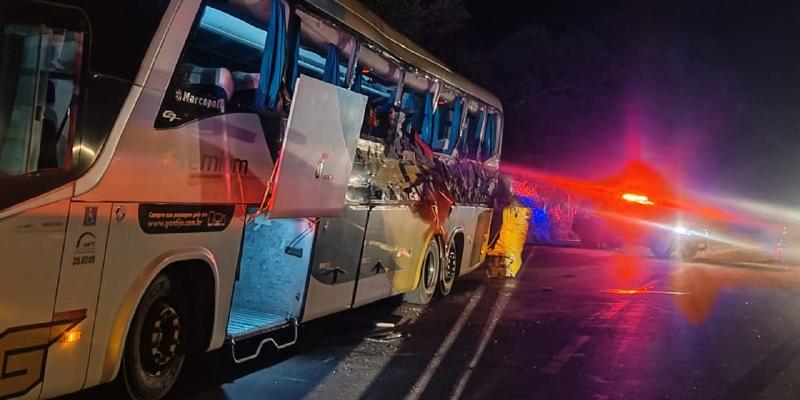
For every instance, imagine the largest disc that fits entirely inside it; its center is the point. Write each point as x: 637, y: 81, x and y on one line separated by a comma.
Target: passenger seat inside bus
x: 245, y: 87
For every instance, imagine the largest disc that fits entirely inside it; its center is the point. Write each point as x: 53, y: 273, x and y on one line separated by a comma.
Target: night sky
x: 707, y: 92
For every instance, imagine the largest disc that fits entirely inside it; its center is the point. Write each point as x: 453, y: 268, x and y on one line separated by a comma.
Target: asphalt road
x: 575, y: 324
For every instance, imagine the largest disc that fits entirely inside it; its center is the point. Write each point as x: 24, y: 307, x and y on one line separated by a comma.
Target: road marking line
x: 566, y: 354
x: 419, y: 386
x: 494, y: 317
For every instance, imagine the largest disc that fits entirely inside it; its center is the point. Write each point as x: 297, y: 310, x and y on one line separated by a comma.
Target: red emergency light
x: 637, y: 198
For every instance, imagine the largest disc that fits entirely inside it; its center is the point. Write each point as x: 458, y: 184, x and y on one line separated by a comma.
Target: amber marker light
x: 72, y: 336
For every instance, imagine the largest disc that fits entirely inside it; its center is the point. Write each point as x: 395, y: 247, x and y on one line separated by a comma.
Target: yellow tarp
x: 504, y: 260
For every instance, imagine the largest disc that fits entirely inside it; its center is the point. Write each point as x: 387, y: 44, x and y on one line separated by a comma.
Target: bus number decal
x: 84, y: 249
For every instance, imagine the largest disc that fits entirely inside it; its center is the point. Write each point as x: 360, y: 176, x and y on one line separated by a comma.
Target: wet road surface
x: 575, y: 324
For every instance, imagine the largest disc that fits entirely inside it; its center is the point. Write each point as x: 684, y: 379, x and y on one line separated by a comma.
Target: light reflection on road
x: 706, y: 281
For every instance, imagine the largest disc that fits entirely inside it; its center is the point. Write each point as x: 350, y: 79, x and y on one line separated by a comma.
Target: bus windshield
x: 40, y: 76
x: 66, y: 67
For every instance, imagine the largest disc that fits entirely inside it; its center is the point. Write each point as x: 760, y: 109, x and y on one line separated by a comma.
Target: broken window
x: 489, y: 145
x: 416, y: 107
x: 474, y: 123
x: 446, y: 121
x: 377, y: 77
x: 324, y: 52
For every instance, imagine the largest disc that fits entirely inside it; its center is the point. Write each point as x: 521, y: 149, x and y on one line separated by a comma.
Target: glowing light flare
x: 680, y: 230
x: 637, y: 198
x: 639, y: 291
x: 71, y: 337
x: 624, y: 291
x: 635, y: 175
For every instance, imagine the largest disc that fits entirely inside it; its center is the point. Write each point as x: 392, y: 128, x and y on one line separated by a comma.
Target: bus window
x: 489, y: 136
x: 41, y: 71
x: 220, y: 69
x: 472, y: 136
x: 446, y: 121
x: 377, y: 78
x: 324, y: 52
x: 416, y: 107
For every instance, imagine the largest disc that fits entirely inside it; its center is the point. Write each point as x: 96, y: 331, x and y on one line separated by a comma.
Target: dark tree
x: 431, y: 23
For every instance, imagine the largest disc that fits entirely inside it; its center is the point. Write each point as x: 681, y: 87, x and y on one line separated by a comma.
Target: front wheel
x: 428, y: 276
x: 156, y: 343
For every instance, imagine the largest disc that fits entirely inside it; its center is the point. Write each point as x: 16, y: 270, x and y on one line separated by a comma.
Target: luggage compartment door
x: 318, y: 150
x: 334, y: 269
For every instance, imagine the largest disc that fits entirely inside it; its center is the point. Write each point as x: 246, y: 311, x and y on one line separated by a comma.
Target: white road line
x: 566, y: 354
x: 494, y: 317
x: 421, y: 383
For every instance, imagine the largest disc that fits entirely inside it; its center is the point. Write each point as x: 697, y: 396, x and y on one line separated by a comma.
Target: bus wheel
x: 449, y: 270
x: 154, y: 349
x: 428, y: 276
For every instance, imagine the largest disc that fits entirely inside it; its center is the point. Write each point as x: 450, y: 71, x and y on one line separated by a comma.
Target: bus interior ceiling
x: 271, y: 281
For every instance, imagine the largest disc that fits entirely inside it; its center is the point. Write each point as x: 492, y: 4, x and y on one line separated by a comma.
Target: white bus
x: 180, y: 175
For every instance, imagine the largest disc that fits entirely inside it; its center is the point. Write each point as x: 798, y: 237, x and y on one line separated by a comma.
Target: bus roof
x: 353, y: 14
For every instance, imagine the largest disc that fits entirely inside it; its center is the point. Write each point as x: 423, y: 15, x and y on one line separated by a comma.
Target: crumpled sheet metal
x: 404, y: 178
x: 406, y: 172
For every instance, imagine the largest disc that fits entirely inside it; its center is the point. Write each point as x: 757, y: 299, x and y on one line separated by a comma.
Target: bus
x: 179, y: 176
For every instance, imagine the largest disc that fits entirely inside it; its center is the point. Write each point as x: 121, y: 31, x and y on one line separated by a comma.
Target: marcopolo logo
x: 185, y: 96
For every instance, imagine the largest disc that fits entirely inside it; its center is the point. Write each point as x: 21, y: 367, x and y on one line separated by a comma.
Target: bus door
x: 40, y: 49
x: 31, y: 247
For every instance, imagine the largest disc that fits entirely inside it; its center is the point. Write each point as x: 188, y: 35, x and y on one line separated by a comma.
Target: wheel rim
x: 431, y: 264
x: 452, y: 265
x: 160, y: 340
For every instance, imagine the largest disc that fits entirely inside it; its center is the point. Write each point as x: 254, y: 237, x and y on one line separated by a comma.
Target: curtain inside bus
x: 487, y: 149
x: 274, y: 57
x: 455, y: 125
x: 427, y: 121
x: 331, y: 74
x: 435, y: 125
x: 358, y: 81
x: 294, y: 53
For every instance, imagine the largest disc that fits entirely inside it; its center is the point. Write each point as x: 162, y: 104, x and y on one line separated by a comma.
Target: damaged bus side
x: 236, y: 169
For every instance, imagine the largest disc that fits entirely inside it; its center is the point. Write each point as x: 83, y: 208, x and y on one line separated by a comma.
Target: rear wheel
x: 428, y: 276
x: 449, y: 269
x: 156, y: 343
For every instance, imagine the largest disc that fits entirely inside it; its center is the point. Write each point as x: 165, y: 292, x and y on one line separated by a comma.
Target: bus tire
x: 428, y: 275
x: 449, y: 269
x: 156, y: 342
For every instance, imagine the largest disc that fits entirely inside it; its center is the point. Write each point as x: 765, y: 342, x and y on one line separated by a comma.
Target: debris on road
x: 386, y: 337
